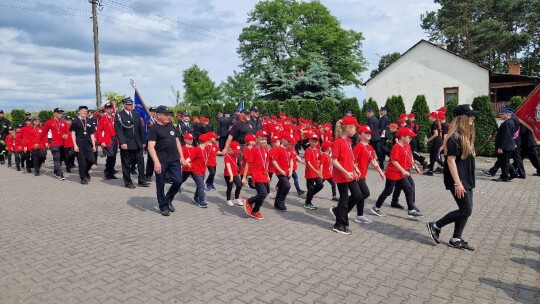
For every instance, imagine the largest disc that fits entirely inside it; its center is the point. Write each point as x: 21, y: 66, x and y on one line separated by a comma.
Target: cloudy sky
x: 46, y: 46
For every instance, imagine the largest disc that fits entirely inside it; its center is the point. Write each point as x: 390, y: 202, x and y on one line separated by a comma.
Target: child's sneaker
x: 238, y: 202
x: 203, y: 204
x: 248, y: 207
x: 230, y: 203
x: 310, y: 207
x: 207, y: 187
x: 377, y: 211
x: 257, y: 215
x: 360, y: 219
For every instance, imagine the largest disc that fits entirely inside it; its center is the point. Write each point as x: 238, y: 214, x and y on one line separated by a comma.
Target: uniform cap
x: 250, y: 137
x: 127, y: 101
x: 163, y: 110
x: 83, y: 107
x: 188, y: 136
x: 1, y: 111
x: 364, y: 129
x: 384, y: 109
x: 434, y: 115
x: 349, y: 121
x: 235, y: 146
x: 108, y: 105
x: 326, y: 145
x: 244, y: 111
x: 261, y: 133
x: 404, y: 132
x: 204, y: 138
x: 254, y: 109
x: 369, y: 110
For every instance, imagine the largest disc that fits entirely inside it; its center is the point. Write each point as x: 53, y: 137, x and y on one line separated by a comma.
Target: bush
x: 308, y: 109
x: 45, y: 115
x: 395, y: 107
x: 327, y: 111
x: 485, y: 124
x: 369, y: 104
x: 261, y: 105
x: 17, y: 116
x: 291, y: 108
x: 230, y: 107
x: 420, y: 110
x: 273, y: 107
x: 71, y: 114
x: 450, y: 106
x: 349, y: 104
x: 516, y: 102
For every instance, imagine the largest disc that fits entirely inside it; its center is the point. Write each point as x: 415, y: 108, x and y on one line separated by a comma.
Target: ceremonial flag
x: 240, y: 106
x: 529, y: 113
x: 141, y: 109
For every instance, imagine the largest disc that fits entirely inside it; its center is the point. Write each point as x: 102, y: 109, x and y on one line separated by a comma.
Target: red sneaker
x: 257, y: 215
x: 247, y: 207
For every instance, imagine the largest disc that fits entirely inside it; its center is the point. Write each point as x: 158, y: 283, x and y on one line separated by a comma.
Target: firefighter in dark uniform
x: 373, y: 124
x: 504, y: 144
x: 517, y: 167
x: 238, y: 132
x: 224, y: 123
x: 149, y: 162
x: 93, y: 121
x: 254, y: 119
x: 384, y: 132
x: 4, y: 131
x: 528, y: 148
x: 130, y: 133
x: 184, y: 126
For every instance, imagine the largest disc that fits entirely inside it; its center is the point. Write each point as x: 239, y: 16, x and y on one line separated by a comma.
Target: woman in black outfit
x: 436, y: 140
x: 459, y: 176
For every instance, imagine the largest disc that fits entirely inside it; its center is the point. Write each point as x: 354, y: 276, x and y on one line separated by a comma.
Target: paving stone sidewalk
x: 62, y: 242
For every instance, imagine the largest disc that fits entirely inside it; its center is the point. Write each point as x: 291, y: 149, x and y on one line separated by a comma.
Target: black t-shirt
x: 83, y: 129
x: 444, y: 127
x: 435, y: 127
x: 465, y: 167
x: 240, y: 129
x: 165, y: 138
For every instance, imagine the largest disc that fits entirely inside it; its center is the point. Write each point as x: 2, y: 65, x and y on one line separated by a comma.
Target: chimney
x: 514, y: 67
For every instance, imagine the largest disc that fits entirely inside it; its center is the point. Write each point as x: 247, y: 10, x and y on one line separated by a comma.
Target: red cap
x: 442, y: 109
x: 204, y: 138
x: 188, y: 136
x: 349, y: 121
x: 364, y: 129
x: 326, y: 145
x: 441, y: 116
x: 179, y: 115
x: 250, y: 137
x: 235, y: 146
x: 434, y: 115
x: 401, y: 122
x: 393, y: 125
x: 405, y: 131
x: 262, y: 133
x: 212, y: 134
x: 313, y: 136
x: 282, y: 114
x: 403, y: 115
x: 412, y: 115
x: 275, y: 138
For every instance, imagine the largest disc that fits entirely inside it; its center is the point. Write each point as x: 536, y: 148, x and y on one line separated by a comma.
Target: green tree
x: 273, y: 107
x: 291, y: 107
x: 395, y: 107
x: 176, y: 97
x: 516, y: 102
x: 369, y: 104
x: 261, y: 105
x: 289, y: 34
x: 327, y: 111
x: 349, y: 104
x: 230, y: 107
x: 450, y: 106
x: 115, y: 97
x: 385, y: 61
x: 420, y: 110
x: 485, y: 125
x: 45, y: 115
x: 198, y: 86
x: 308, y: 109
x: 71, y: 114
x: 239, y: 87
x: 17, y: 116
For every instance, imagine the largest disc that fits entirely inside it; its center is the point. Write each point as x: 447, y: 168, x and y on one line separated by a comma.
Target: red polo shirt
x: 401, y: 154
x: 312, y: 156
x: 363, y: 154
x: 282, y: 158
x: 342, y: 150
x: 258, y: 162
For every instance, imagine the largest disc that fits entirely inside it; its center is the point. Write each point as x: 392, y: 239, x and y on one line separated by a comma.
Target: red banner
x: 529, y: 113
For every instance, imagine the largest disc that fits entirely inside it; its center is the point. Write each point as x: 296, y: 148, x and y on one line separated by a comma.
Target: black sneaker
x: 461, y: 244
x: 171, y: 208
x: 488, y: 173
x: 428, y: 173
x: 397, y: 205
x: 165, y: 212
x: 434, y: 232
x: 500, y: 179
x: 342, y: 229
x: 280, y: 206
x: 84, y: 181
x: 88, y: 177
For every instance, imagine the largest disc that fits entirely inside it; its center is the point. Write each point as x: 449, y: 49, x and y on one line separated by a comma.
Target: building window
x: 449, y: 94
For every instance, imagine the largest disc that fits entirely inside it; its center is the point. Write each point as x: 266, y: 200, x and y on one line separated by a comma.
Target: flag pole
x: 132, y: 82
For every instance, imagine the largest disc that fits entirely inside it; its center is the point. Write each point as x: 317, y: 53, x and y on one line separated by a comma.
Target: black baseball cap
x: 83, y: 107
x: 151, y: 109
x: 185, y: 113
x: 58, y: 110
x: 244, y: 111
x: 1, y: 111
x: 465, y: 109
x: 163, y: 110
x: 369, y: 110
x: 108, y: 105
x: 28, y: 114
x: 254, y: 109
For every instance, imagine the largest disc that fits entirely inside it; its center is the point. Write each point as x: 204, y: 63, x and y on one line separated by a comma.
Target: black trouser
x: 518, y: 162
x: 150, y: 167
x: 57, y: 159
x: 69, y: 158
x: 8, y: 156
x: 314, y: 185
x: 236, y: 182
x: 38, y: 158
x: 173, y: 171
x: 460, y: 216
x: 110, y: 161
x: 283, y: 187
x: 385, y: 151
x: 258, y: 199
x: 377, y: 148
x: 504, y: 163
x: 85, y: 160
x: 28, y: 160
x: 365, y: 194
x: 419, y: 158
x: 398, y: 188
x: 434, y: 155
x: 389, y: 187
x: 185, y: 176
x: 222, y: 142
x: 346, y: 203
x: 17, y: 156
x: 333, y: 185
x: 3, y: 150
x: 530, y: 152
x: 211, y: 175
x: 129, y: 157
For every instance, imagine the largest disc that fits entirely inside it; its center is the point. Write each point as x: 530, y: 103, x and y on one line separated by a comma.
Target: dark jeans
x: 377, y: 148
x: 129, y: 157
x: 28, y: 160
x: 384, y: 152
x: 110, y: 161
x: 283, y: 187
x: 199, y: 188
x: 38, y: 158
x: 333, y: 185
x: 69, y: 158
x: 222, y: 142
x: 236, y: 182
x: 389, y: 187
x: 258, y: 199
x: 460, y: 216
x: 55, y: 151
x: 346, y: 203
x: 173, y: 170
x: 518, y: 162
x: 504, y: 162
x: 211, y: 175
x: 17, y: 156
x: 85, y: 160
x: 8, y: 157
x: 530, y: 152
x: 314, y: 185
x: 365, y: 194
x: 434, y: 155
x: 296, y: 183
x: 397, y: 191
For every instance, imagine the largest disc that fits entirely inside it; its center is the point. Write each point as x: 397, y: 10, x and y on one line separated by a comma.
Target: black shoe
x: 433, y: 232
x: 28, y: 170
x: 2, y: 162
x: 536, y: 174
x: 22, y: 165
x: 145, y: 184
x: 280, y: 206
x: 37, y: 173
x: 68, y: 170
x: 115, y: 171
x: 342, y: 229
x: 251, y: 186
x: 134, y: 172
x: 165, y: 212
x: 84, y: 181
x: 439, y: 170
x: 488, y: 173
x: 500, y: 179
x: 88, y: 177
x: 521, y: 176
x: 428, y: 173
x: 108, y: 177
x: 18, y: 169
x: 461, y: 244
x: 168, y: 181
x: 148, y: 179
x: 171, y: 208
x: 9, y: 165
x: 397, y: 205
x: 130, y: 186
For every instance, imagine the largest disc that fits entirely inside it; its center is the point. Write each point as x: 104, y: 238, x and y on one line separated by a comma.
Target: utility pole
x: 95, y: 4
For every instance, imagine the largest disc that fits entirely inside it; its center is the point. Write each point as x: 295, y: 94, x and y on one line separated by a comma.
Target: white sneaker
x: 238, y: 202
x: 271, y: 195
x: 362, y: 220
x: 230, y: 203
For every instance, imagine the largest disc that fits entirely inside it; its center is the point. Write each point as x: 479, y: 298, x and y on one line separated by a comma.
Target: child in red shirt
x: 283, y: 166
x: 212, y: 149
x: 397, y: 173
x: 69, y: 153
x: 187, y: 151
x: 326, y: 162
x: 199, y: 161
x: 231, y: 174
x: 10, y: 147
x: 364, y: 155
x: 258, y: 162
x: 245, y: 170
x: 313, y: 173
x: 289, y: 143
